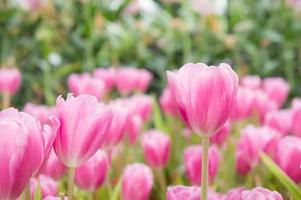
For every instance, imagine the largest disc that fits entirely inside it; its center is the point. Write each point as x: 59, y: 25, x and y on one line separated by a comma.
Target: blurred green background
x: 50, y: 39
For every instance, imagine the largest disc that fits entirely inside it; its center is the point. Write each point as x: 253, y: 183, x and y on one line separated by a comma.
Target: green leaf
x: 116, y: 191
x: 157, y: 116
x: 288, y: 183
x: 38, y: 192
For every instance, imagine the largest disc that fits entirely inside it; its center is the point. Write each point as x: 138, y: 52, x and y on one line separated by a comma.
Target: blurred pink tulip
x: 222, y: 134
x: 55, y: 198
x: 288, y: 156
x: 85, y: 84
x: 25, y: 144
x: 48, y: 186
x: 84, y: 125
x: 253, y: 141
x: 41, y: 112
x: 144, y: 80
x: 251, y: 82
x: 167, y: 103
x: 234, y: 194
x: 277, y: 89
x: 133, y: 128
x: 141, y: 105
x: 243, y: 104
x: 10, y: 80
x: 260, y: 193
x: 296, y: 117
x: 156, y: 148
x: 137, y: 182
x: 193, y: 163
x: 92, y: 174
x: 53, y: 167
x: 215, y: 86
x: 107, y: 75
x: 180, y: 192
x: 279, y: 120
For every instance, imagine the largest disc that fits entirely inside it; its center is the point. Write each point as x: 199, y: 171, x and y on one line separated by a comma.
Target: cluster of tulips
x: 90, y: 141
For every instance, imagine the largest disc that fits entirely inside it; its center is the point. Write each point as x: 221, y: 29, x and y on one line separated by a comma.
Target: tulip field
x: 150, y: 100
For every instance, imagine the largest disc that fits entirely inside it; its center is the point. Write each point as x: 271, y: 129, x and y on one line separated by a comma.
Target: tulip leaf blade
x: 38, y: 192
x: 286, y: 181
x: 157, y: 115
x: 116, y: 191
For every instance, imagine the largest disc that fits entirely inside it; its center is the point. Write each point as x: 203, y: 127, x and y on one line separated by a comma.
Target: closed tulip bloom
x: 144, y: 80
x: 107, y: 75
x: 53, y: 167
x: 180, y: 192
x: 279, y: 120
x: 167, y: 103
x: 221, y: 136
x: 137, y: 182
x: 156, y: 148
x: 288, y: 156
x: 296, y: 117
x: 41, y: 112
x: 260, y: 193
x: 204, y: 95
x: 193, y: 163
x: 277, y: 89
x: 85, y: 84
x: 234, y: 194
x: 251, y: 82
x: 249, y: 146
x: 84, y: 125
x: 91, y: 175
x: 47, y: 185
x: 10, y: 80
x: 141, y: 105
x: 133, y: 128
x: 24, y: 146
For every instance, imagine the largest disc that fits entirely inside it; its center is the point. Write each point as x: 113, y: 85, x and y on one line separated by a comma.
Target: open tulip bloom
x: 204, y: 96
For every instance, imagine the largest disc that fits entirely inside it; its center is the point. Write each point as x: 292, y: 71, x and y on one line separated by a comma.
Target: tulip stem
x: 5, y: 100
x: 71, y: 175
x: 27, y: 193
x: 204, y: 182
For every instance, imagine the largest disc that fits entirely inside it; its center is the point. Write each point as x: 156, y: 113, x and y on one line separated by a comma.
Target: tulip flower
x: 260, y: 193
x: 91, y: 175
x: 193, y: 163
x: 234, y: 194
x: 156, y: 148
x: 140, y: 105
x: 167, y: 103
x: 180, y: 192
x: 221, y: 136
x: 25, y: 144
x: 288, y: 156
x: 277, y: 89
x: 296, y: 117
x: 10, y: 81
x: 85, y: 84
x: 279, y: 120
x: 137, y: 182
x: 106, y: 75
x: 48, y: 186
x: 251, y: 82
x: 84, y: 125
x: 41, y: 112
x: 133, y: 128
x: 204, y: 96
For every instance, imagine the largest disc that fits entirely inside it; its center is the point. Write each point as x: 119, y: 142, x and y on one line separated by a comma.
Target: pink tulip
x: 288, y: 156
x: 296, y: 117
x: 48, y: 186
x: 234, y: 194
x: 85, y: 84
x: 180, y: 192
x: 215, y: 86
x: 106, y: 75
x: 10, y: 80
x: 91, y: 175
x: 137, y: 182
x: 243, y: 104
x: 221, y: 136
x: 167, y: 103
x: 277, y: 89
x: 144, y: 80
x: 253, y: 141
x: 53, y: 167
x: 41, y: 112
x: 116, y: 130
x: 133, y: 128
x: 156, y: 148
x: 24, y: 146
x: 193, y: 163
x: 260, y: 193
x: 84, y: 124
x: 279, y: 120
x: 140, y: 105
x: 251, y: 82
x: 55, y: 198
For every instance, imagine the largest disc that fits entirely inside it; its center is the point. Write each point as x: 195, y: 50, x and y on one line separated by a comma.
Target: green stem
x: 204, y: 182
x: 27, y: 193
x: 71, y: 175
x: 6, y: 100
